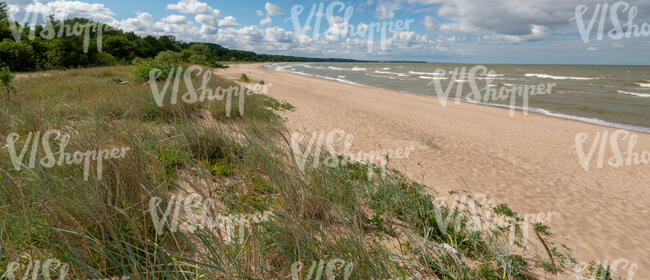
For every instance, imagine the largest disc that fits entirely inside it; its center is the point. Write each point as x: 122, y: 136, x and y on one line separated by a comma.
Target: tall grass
x: 102, y: 227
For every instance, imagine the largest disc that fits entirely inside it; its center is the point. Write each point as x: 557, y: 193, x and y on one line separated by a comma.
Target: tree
x: 170, y: 57
x: 201, y: 49
x: 6, y: 79
x: 119, y: 47
x: 18, y: 56
x: 198, y: 59
x: 3, y: 11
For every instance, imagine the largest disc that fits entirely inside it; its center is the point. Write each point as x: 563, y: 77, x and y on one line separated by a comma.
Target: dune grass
x: 386, y: 228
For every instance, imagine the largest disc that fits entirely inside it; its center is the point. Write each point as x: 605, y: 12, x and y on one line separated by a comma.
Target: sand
x: 528, y: 162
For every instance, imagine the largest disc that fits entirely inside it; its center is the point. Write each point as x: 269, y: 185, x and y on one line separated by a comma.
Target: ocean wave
x: 355, y: 68
x: 546, y: 76
x: 634, y: 93
x: 425, y: 73
x: 385, y: 68
x: 432, y: 78
x: 643, y: 84
x: 380, y: 76
x: 392, y: 73
x: 494, y: 75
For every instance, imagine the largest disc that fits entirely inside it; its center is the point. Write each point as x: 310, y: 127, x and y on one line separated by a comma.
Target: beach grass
x: 387, y: 228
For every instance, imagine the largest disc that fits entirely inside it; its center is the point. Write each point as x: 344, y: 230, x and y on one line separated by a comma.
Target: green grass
x: 102, y: 228
x: 430, y: 142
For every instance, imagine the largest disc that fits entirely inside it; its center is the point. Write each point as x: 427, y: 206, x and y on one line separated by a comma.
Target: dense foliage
x: 63, y: 49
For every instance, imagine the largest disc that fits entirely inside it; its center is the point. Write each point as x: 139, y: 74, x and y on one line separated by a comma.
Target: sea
x: 615, y: 96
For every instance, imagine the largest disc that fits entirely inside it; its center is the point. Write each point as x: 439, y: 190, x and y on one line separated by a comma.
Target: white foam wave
x: 546, y: 76
x: 432, y: 78
x: 643, y: 84
x: 392, y: 73
x: 425, y: 73
x: 634, y: 93
x: 355, y: 68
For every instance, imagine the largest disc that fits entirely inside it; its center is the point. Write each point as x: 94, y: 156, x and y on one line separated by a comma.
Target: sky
x: 455, y: 31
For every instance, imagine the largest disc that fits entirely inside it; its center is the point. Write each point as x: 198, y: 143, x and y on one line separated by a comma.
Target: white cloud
x: 386, y: 9
x: 259, y: 13
x: 193, y: 7
x: 429, y: 23
x: 266, y: 21
x: 228, y: 21
x: 591, y: 49
x: 66, y: 9
x: 174, y: 19
x: 273, y: 10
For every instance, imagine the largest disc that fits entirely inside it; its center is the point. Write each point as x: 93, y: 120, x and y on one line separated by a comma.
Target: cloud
x: 259, y: 13
x: 591, y: 49
x: 228, y: 21
x: 193, y: 7
x: 430, y: 23
x: 175, y: 19
x: 266, y: 21
x: 67, y: 9
x: 386, y: 9
x: 537, y: 33
x: 273, y: 10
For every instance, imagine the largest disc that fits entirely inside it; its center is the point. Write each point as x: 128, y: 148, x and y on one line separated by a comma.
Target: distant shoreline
x: 531, y: 110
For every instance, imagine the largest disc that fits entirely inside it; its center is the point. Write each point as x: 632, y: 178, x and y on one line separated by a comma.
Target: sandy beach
x: 529, y: 162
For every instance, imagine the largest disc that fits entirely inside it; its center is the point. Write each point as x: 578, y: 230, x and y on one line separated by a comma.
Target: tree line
x: 80, y: 49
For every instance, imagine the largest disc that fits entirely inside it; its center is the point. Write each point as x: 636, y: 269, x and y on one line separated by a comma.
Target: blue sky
x: 464, y: 31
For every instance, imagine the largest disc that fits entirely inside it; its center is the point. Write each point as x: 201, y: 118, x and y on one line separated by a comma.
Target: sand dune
x: 528, y: 162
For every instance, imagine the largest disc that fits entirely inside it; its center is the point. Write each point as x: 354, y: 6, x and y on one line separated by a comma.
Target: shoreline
x: 528, y: 162
x: 531, y: 110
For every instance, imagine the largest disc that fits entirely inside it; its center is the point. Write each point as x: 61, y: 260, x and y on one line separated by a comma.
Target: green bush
x: 142, y: 68
x: 170, y: 57
x: 6, y: 78
x: 105, y: 59
x: 198, y: 59
x: 219, y: 65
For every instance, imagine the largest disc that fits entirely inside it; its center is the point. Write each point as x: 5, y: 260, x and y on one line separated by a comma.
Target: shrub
x: 170, y: 57
x: 219, y: 65
x: 244, y: 78
x: 5, y: 80
x: 198, y: 59
x: 106, y: 59
x: 185, y: 55
x: 142, y: 68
